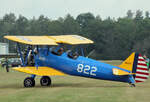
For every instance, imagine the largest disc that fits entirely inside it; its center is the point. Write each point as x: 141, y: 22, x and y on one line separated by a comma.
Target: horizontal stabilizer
x: 120, y: 72
x: 41, y: 71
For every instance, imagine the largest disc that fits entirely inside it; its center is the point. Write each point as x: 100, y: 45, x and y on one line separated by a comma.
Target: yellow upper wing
x: 71, y: 39
x: 41, y: 71
x: 32, y: 40
x: 50, y: 40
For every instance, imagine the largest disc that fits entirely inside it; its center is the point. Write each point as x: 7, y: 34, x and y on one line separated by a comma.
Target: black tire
x: 45, y: 81
x: 132, y: 85
x: 29, y: 82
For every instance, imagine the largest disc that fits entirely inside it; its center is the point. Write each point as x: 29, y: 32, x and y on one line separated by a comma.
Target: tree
x: 22, y: 25
x: 147, y: 15
x: 8, y: 23
x: 84, y: 18
x: 10, y: 18
x: 39, y: 26
x: 70, y: 26
x: 138, y: 15
x: 55, y: 27
x: 129, y: 14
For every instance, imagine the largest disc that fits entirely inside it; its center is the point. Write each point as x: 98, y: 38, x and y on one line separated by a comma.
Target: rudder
x: 142, y: 72
x: 136, y: 64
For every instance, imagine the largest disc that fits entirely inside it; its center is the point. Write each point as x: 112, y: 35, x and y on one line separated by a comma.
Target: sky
x: 59, y: 8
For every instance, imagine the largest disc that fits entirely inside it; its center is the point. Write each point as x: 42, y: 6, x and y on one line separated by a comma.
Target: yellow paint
x: 49, y: 40
x: 128, y: 63
x: 41, y: 71
x: 32, y: 40
x: 120, y: 72
x: 71, y: 39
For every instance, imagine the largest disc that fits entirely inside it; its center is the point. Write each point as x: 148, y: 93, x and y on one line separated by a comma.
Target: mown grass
x: 70, y: 89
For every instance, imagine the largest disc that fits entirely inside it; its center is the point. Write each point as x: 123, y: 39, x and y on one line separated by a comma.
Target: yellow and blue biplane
x: 52, y: 55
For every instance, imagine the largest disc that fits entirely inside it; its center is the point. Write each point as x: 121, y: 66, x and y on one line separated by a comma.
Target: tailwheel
x: 132, y: 85
x: 29, y: 82
x: 45, y: 81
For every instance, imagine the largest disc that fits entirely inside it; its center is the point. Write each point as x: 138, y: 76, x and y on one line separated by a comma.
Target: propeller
x: 90, y: 53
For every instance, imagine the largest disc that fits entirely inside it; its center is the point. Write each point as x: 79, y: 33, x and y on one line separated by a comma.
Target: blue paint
x: 131, y: 79
x: 33, y: 76
x: 69, y: 66
x: 135, y: 62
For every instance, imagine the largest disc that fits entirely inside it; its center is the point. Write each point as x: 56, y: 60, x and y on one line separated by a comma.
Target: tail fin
x: 136, y: 64
x: 142, y: 72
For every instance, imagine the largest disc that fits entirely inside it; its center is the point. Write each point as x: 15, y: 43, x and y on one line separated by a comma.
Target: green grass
x: 70, y: 89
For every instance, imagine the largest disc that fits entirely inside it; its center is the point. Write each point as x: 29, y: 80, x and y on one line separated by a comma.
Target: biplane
x: 52, y: 55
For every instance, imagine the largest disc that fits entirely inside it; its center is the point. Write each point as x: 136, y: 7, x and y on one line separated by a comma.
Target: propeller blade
x: 90, y: 53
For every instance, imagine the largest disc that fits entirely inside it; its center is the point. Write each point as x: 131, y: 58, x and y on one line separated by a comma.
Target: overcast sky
x: 59, y: 8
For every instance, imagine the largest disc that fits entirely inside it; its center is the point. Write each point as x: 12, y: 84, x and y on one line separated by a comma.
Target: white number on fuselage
x: 93, y: 70
x: 87, y: 69
x: 80, y: 68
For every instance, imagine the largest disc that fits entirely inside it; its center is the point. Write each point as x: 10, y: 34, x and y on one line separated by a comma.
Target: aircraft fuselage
x: 81, y: 66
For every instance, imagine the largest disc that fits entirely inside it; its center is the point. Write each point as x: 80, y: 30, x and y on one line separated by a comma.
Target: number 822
x: 86, y: 69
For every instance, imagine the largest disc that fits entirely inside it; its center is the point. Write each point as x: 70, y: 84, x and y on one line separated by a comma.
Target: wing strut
x: 21, y: 56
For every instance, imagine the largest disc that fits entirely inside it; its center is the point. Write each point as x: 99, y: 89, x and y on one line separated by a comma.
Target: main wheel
x: 29, y: 82
x: 45, y: 81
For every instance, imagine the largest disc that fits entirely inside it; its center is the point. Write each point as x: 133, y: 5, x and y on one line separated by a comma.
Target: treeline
x: 114, y: 38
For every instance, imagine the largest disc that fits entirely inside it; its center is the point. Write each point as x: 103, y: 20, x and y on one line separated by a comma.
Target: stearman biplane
x: 46, y: 56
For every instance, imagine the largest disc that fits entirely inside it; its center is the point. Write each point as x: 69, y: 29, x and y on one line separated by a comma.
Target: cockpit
x: 65, y: 49
x: 58, y: 51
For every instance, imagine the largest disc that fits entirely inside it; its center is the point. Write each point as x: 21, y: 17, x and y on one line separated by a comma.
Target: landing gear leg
x: 45, y: 81
x: 132, y: 81
x: 29, y: 81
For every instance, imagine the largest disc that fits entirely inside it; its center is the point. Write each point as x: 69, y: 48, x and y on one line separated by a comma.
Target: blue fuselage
x: 81, y: 66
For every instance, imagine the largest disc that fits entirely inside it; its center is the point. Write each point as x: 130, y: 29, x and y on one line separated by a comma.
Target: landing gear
x: 45, y: 81
x: 29, y: 82
x: 132, y: 85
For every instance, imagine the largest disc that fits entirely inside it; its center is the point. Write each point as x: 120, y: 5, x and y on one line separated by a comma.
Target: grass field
x: 70, y: 89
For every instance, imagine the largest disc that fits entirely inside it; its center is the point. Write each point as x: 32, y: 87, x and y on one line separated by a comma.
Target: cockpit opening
x: 58, y: 51
x: 72, y: 55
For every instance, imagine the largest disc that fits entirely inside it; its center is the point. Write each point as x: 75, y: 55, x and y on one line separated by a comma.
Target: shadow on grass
x: 85, y: 85
x: 74, y: 85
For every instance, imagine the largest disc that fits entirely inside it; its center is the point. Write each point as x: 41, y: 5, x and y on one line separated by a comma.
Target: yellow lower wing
x: 41, y: 71
x: 120, y: 72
